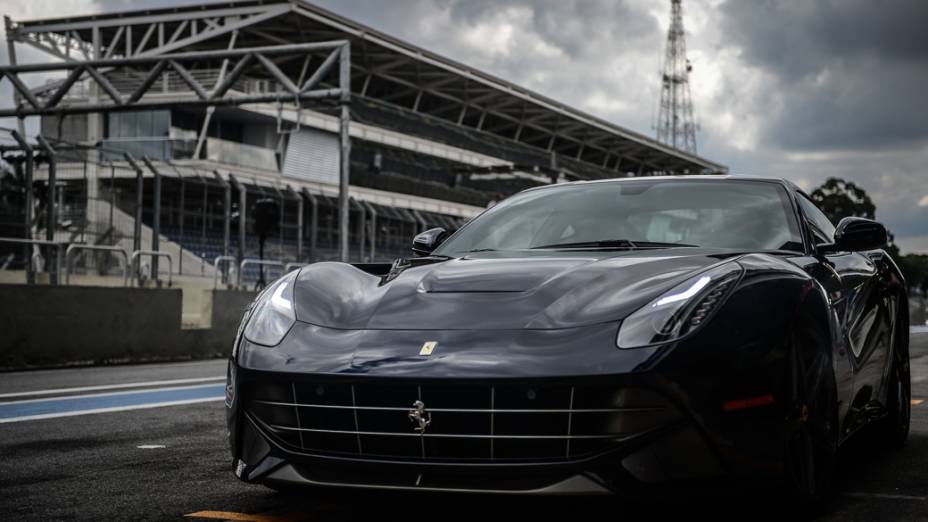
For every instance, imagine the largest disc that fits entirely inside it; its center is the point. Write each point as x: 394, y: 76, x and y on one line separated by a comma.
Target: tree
x: 839, y: 199
x: 915, y: 268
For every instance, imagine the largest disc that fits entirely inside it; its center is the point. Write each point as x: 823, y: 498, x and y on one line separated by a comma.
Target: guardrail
x: 39, y: 242
x: 229, y: 261
x: 97, y: 248
x: 153, y: 253
x: 257, y: 262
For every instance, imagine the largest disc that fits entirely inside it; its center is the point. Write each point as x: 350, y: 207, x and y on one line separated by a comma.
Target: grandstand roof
x: 384, y: 68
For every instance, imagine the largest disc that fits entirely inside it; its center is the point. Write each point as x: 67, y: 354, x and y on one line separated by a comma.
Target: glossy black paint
x: 803, y: 327
x: 423, y: 244
x: 855, y: 234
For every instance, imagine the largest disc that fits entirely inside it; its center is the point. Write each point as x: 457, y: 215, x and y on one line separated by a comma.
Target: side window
x: 822, y: 229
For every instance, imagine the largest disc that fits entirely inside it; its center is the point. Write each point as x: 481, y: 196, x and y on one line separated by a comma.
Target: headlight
x: 680, y: 310
x: 273, y: 314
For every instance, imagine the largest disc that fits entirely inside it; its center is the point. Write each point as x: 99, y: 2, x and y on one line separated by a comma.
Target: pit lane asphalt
x: 90, y: 467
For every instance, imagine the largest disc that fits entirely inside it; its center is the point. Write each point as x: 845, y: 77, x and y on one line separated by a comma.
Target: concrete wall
x: 44, y: 326
x: 228, y: 308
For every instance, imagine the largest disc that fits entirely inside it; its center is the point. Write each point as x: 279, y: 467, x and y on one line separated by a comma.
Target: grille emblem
x: 428, y: 348
x: 420, y: 416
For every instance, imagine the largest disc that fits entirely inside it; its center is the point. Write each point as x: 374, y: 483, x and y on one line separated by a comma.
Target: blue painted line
x: 110, y: 400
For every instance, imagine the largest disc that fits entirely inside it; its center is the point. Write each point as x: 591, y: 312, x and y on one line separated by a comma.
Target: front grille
x: 498, y: 422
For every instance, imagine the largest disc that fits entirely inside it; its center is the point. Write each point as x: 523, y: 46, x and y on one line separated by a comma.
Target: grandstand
x: 432, y: 142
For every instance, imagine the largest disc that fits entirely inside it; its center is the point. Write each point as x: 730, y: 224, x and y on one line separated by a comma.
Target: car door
x: 865, y: 313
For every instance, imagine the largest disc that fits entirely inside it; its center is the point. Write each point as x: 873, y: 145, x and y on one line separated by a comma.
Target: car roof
x: 706, y: 177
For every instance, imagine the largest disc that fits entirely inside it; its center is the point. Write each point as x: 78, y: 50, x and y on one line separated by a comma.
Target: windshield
x: 750, y: 215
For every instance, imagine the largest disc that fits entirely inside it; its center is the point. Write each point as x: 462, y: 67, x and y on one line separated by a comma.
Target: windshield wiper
x: 658, y: 244
x: 480, y: 250
x: 614, y: 243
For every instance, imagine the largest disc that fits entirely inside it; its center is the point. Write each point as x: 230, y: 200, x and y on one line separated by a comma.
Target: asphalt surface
x: 170, y: 462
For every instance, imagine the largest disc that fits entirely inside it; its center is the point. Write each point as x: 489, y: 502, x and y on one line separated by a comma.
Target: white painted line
x: 919, y: 328
x: 109, y: 387
x: 108, y: 410
x: 151, y: 446
x: 109, y: 394
x: 886, y: 496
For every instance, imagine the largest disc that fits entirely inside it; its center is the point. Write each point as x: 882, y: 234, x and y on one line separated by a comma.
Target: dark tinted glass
x: 728, y: 214
x: 822, y: 228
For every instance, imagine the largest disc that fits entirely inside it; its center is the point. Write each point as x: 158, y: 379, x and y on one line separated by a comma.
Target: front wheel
x: 810, y: 465
x: 811, y: 445
x: 895, y: 427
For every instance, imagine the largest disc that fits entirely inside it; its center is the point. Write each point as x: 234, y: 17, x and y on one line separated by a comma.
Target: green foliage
x: 839, y: 199
x: 915, y: 268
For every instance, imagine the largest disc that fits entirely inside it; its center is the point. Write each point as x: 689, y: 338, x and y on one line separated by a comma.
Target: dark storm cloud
x: 574, y: 26
x: 851, y: 73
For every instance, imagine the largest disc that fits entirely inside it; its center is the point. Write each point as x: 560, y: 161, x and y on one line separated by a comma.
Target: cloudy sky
x: 794, y: 88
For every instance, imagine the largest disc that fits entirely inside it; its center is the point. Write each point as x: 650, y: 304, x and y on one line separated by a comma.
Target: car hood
x: 496, y: 290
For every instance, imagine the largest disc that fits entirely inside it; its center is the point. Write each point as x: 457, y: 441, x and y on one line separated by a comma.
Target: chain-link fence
x: 106, y: 205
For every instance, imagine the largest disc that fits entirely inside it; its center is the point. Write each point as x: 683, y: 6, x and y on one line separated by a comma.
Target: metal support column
x: 204, y: 212
x: 299, y: 222
x: 227, y: 213
x: 112, y: 192
x: 372, y: 229
x: 280, y: 223
x: 156, y: 219
x: 344, y: 85
x: 52, y: 256
x: 27, y: 150
x: 139, y: 201
x: 242, y: 218
x: 313, y: 222
x: 362, y: 220
x: 180, y: 262
x: 11, y: 54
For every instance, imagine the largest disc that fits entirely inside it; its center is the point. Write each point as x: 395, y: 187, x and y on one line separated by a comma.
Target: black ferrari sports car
x: 585, y: 337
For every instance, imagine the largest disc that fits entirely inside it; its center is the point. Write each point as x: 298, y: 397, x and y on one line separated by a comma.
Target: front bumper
x: 693, y: 440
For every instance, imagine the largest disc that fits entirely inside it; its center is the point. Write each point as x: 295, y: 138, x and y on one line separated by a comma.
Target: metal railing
x: 32, y: 258
x: 98, y: 248
x: 137, y: 255
x: 257, y: 262
x: 228, y: 260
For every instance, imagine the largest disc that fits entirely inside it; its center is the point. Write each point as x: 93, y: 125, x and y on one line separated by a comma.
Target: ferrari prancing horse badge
x: 428, y: 348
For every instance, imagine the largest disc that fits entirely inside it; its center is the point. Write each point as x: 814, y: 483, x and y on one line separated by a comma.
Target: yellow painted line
x: 244, y: 517
x: 916, y: 402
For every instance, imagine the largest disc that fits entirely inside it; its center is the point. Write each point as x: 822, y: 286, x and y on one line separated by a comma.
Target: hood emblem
x: 420, y: 417
x: 428, y: 348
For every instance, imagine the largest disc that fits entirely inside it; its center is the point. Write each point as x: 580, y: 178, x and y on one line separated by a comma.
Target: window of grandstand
x: 140, y: 133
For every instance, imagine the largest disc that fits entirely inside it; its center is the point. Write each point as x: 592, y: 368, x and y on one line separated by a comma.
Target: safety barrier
x: 152, y: 253
x: 97, y: 248
x: 229, y: 261
x: 32, y: 258
x: 257, y: 262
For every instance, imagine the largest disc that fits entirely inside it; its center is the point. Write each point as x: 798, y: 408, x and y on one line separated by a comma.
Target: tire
x: 812, y: 429
x: 894, y: 428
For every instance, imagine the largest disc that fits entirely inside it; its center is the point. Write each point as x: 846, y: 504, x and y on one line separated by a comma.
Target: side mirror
x: 854, y: 234
x: 423, y: 244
